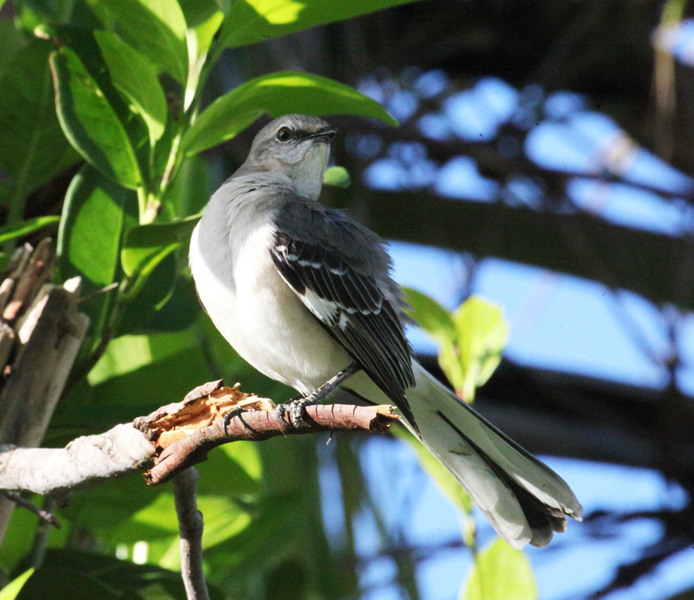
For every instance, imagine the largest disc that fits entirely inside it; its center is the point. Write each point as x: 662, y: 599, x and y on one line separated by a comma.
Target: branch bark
x: 190, y: 526
x: 170, y: 440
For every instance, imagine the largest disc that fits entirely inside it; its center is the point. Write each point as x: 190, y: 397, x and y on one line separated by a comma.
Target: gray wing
x: 341, y: 273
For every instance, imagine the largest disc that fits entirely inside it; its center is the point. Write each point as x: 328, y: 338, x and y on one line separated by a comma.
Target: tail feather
x: 524, y: 500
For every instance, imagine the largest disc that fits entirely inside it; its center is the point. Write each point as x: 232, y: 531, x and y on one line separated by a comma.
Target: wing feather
x: 348, y: 291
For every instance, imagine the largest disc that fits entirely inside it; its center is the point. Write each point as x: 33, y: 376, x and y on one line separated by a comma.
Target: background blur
x: 544, y: 160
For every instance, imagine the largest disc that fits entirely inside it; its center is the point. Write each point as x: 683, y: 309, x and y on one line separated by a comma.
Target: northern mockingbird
x: 304, y: 294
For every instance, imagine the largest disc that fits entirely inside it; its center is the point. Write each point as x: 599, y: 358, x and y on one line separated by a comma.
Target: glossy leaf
x: 89, y: 121
x: 91, y: 229
x: 17, y: 230
x: 337, y: 177
x: 33, y: 149
x: 157, y: 28
x: 500, y: 573
x: 135, y: 77
x: 12, y: 589
x: 147, y: 245
x: 276, y: 94
x: 251, y: 21
x: 89, y: 238
x: 482, y: 334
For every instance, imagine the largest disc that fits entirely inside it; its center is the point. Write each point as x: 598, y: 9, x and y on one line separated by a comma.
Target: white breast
x: 251, y: 305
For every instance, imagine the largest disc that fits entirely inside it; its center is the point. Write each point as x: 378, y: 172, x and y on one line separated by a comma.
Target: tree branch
x: 190, y: 525
x: 170, y: 440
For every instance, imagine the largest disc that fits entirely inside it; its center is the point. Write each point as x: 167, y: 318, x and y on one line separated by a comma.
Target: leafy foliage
x: 470, y: 339
x: 120, y: 84
x: 500, y: 573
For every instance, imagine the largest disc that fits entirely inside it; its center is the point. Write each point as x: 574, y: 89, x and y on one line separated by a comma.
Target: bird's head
x: 297, y: 146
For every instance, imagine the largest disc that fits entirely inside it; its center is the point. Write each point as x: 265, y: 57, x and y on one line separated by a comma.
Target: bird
x: 305, y: 295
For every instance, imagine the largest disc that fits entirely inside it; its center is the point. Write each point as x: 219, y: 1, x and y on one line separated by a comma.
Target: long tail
x: 524, y: 500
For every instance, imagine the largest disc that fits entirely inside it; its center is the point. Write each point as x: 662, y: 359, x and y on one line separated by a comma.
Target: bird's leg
x: 297, y: 406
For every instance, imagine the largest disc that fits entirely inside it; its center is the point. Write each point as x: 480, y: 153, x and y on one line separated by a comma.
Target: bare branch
x: 44, y: 515
x: 190, y: 525
x: 173, y: 438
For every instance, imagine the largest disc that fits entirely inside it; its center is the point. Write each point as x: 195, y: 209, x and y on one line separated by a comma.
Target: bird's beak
x: 324, y: 135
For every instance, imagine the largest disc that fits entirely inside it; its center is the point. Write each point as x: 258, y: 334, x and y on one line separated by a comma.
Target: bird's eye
x: 285, y: 134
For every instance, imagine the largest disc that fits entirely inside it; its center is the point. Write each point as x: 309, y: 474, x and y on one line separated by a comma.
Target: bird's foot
x: 294, y: 411
x: 236, y: 412
x: 296, y: 408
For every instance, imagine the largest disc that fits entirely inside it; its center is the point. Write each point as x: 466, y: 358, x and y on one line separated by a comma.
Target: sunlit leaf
x: 136, y: 78
x: 482, y: 334
x: 337, y: 177
x: 147, y: 245
x: 157, y: 28
x: 430, y: 316
x: 91, y: 229
x: 90, y: 236
x: 276, y: 94
x: 89, y: 121
x: 500, y: 573
x: 132, y: 352
x: 251, y: 21
x: 12, y: 589
x: 17, y: 230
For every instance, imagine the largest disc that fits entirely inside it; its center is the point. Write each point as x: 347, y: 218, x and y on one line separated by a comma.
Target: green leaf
x: 135, y: 77
x: 482, y: 334
x: 129, y: 353
x: 147, y: 245
x: 12, y: 40
x: 157, y: 28
x: 91, y: 229
x: 338, y: 177
x: 12, y: 589
x: 120, y: 575
x: 276, y: 94
x: 89, y: 238
x: 66, y: 583
x: 17, y: 230
x: 251, y: 21
x: 430, y: 316
x: 198, y: 11
x: 33, y: 148
x: 500, y: 573
x: 435, y: 469
x: 90, y: 123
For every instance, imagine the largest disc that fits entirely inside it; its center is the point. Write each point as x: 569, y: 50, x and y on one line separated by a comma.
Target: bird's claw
x: 235, y: 412
x: 296, y: 409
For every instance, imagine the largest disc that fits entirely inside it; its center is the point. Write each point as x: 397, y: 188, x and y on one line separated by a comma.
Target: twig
x: 190, y: 525
x: 44, y: 515
x: 40, y: 545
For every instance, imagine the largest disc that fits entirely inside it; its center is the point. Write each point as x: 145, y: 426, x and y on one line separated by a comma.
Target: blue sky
x: 557, y: 322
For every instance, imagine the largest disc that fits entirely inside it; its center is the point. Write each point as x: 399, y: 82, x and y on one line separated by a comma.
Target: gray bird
x: 304, y: 294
